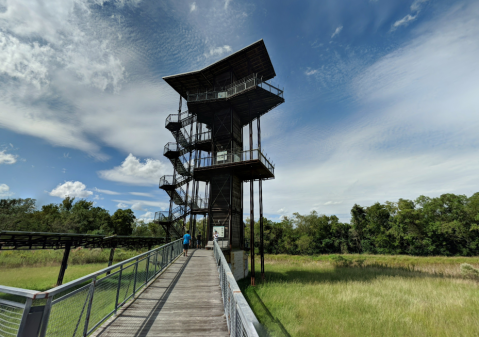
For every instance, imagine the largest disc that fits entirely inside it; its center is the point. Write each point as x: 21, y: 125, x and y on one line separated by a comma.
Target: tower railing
x: 225, y: 157
x: 181, y: 148
x: 233, y: 89
x: 169, y: 180
x: 240, y: 318
x: 178, y: 118
x: 78, y: 307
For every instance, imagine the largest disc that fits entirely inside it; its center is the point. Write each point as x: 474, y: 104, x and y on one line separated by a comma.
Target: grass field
x: 38, y: 269
x: 44, y: 278
x: 50, y: 257
x: 371, y: 296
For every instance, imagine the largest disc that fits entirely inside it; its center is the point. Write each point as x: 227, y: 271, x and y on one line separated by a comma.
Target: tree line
x: 72, y: 216
x: 447, y: 225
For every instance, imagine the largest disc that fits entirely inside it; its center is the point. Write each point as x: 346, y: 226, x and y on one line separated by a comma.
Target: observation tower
x: 210, y: 157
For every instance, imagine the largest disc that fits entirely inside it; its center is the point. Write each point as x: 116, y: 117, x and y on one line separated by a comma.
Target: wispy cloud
x: 310, y: 72
x: 193, y: 7
x: 107, y: 192
x: 141, y: 194
x: 142, y: 205
x: 219, y: 51
x: 415, y: 9
x: 337, y: 31
x: 404, y: 21
x: 413, y: 130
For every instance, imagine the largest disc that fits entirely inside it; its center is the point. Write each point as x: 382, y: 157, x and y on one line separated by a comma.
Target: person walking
x: 186, y: 243
x: 198, y: 241
x: 216, y: 236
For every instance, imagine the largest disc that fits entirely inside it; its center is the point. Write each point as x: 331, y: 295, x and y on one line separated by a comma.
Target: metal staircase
x: 184, y: 172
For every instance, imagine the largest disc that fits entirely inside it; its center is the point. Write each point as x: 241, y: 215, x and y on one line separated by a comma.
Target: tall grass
x: 44, y: 278
x: 49, y: 257
x: 381, y: 296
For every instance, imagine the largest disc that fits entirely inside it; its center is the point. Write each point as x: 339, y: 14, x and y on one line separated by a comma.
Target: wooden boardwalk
x: 184, y: 301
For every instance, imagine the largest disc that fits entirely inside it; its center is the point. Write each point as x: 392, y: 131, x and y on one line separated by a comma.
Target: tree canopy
x: 446, y: 225
x: 72, y: 216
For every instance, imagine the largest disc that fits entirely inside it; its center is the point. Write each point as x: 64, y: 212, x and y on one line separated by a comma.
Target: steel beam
x: 63, y: 267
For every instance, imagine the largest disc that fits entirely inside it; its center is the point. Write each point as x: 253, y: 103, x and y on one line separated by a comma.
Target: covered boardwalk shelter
x: 15, y: 240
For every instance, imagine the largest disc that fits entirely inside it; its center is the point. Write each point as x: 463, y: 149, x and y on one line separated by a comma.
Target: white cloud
x: 24, y: 61
x: 44, y: 47
x: 417, y: 5
x: 7, y: 158
x: 70, y: 65
x: 415, y: 8
x: 142, y: 205
x: 337, y: 31
x: 147, y: 217
x: 132, y: 171
x: 218, y: 51
x: 404, y: 21
x: 227, y: 2
x: 333, y: 202
x: 72, y: 189
x: 107, y: 192
x: 141, y: 194
x: 310, y: 72
x: 121, y: 205
x: 193, y: 7
x: 72, y: 45
x: 5, y: 191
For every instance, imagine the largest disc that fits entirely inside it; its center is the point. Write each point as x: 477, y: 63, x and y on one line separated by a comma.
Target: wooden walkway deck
x: 184, y: 301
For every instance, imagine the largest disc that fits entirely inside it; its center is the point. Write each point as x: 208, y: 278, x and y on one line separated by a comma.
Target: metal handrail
x: 190, y: 142
x: 234, y: 157
x: 93, y: 293
x: 177, y: 118
x: 240, y: 318
x: 168, y: 180
x: 233, y: 89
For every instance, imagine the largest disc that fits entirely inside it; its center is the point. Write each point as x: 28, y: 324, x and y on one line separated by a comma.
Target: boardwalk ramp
x: 183, y: 301
x: 157, y: 293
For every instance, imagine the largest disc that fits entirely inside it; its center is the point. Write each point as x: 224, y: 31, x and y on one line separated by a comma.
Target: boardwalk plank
x: 184, y: 301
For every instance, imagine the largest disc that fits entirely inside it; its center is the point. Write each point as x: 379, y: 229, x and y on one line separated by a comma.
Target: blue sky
x: 381, y: 97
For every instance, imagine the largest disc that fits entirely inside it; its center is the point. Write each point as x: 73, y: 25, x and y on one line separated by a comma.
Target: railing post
x: 136, y: 273
x: 147, y: 269
x: 87, y: 317
x: 118, y: 288
x: 26, y: 311
x: 46, y: 317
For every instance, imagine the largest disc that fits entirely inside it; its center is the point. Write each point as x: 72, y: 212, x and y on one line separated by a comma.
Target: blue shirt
x: 186, y: 239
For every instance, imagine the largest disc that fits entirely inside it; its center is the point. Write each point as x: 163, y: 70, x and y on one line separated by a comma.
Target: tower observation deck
x: 210, y: 160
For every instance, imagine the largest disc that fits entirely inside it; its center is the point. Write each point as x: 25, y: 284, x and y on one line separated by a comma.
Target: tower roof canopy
x: 251, y: 59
